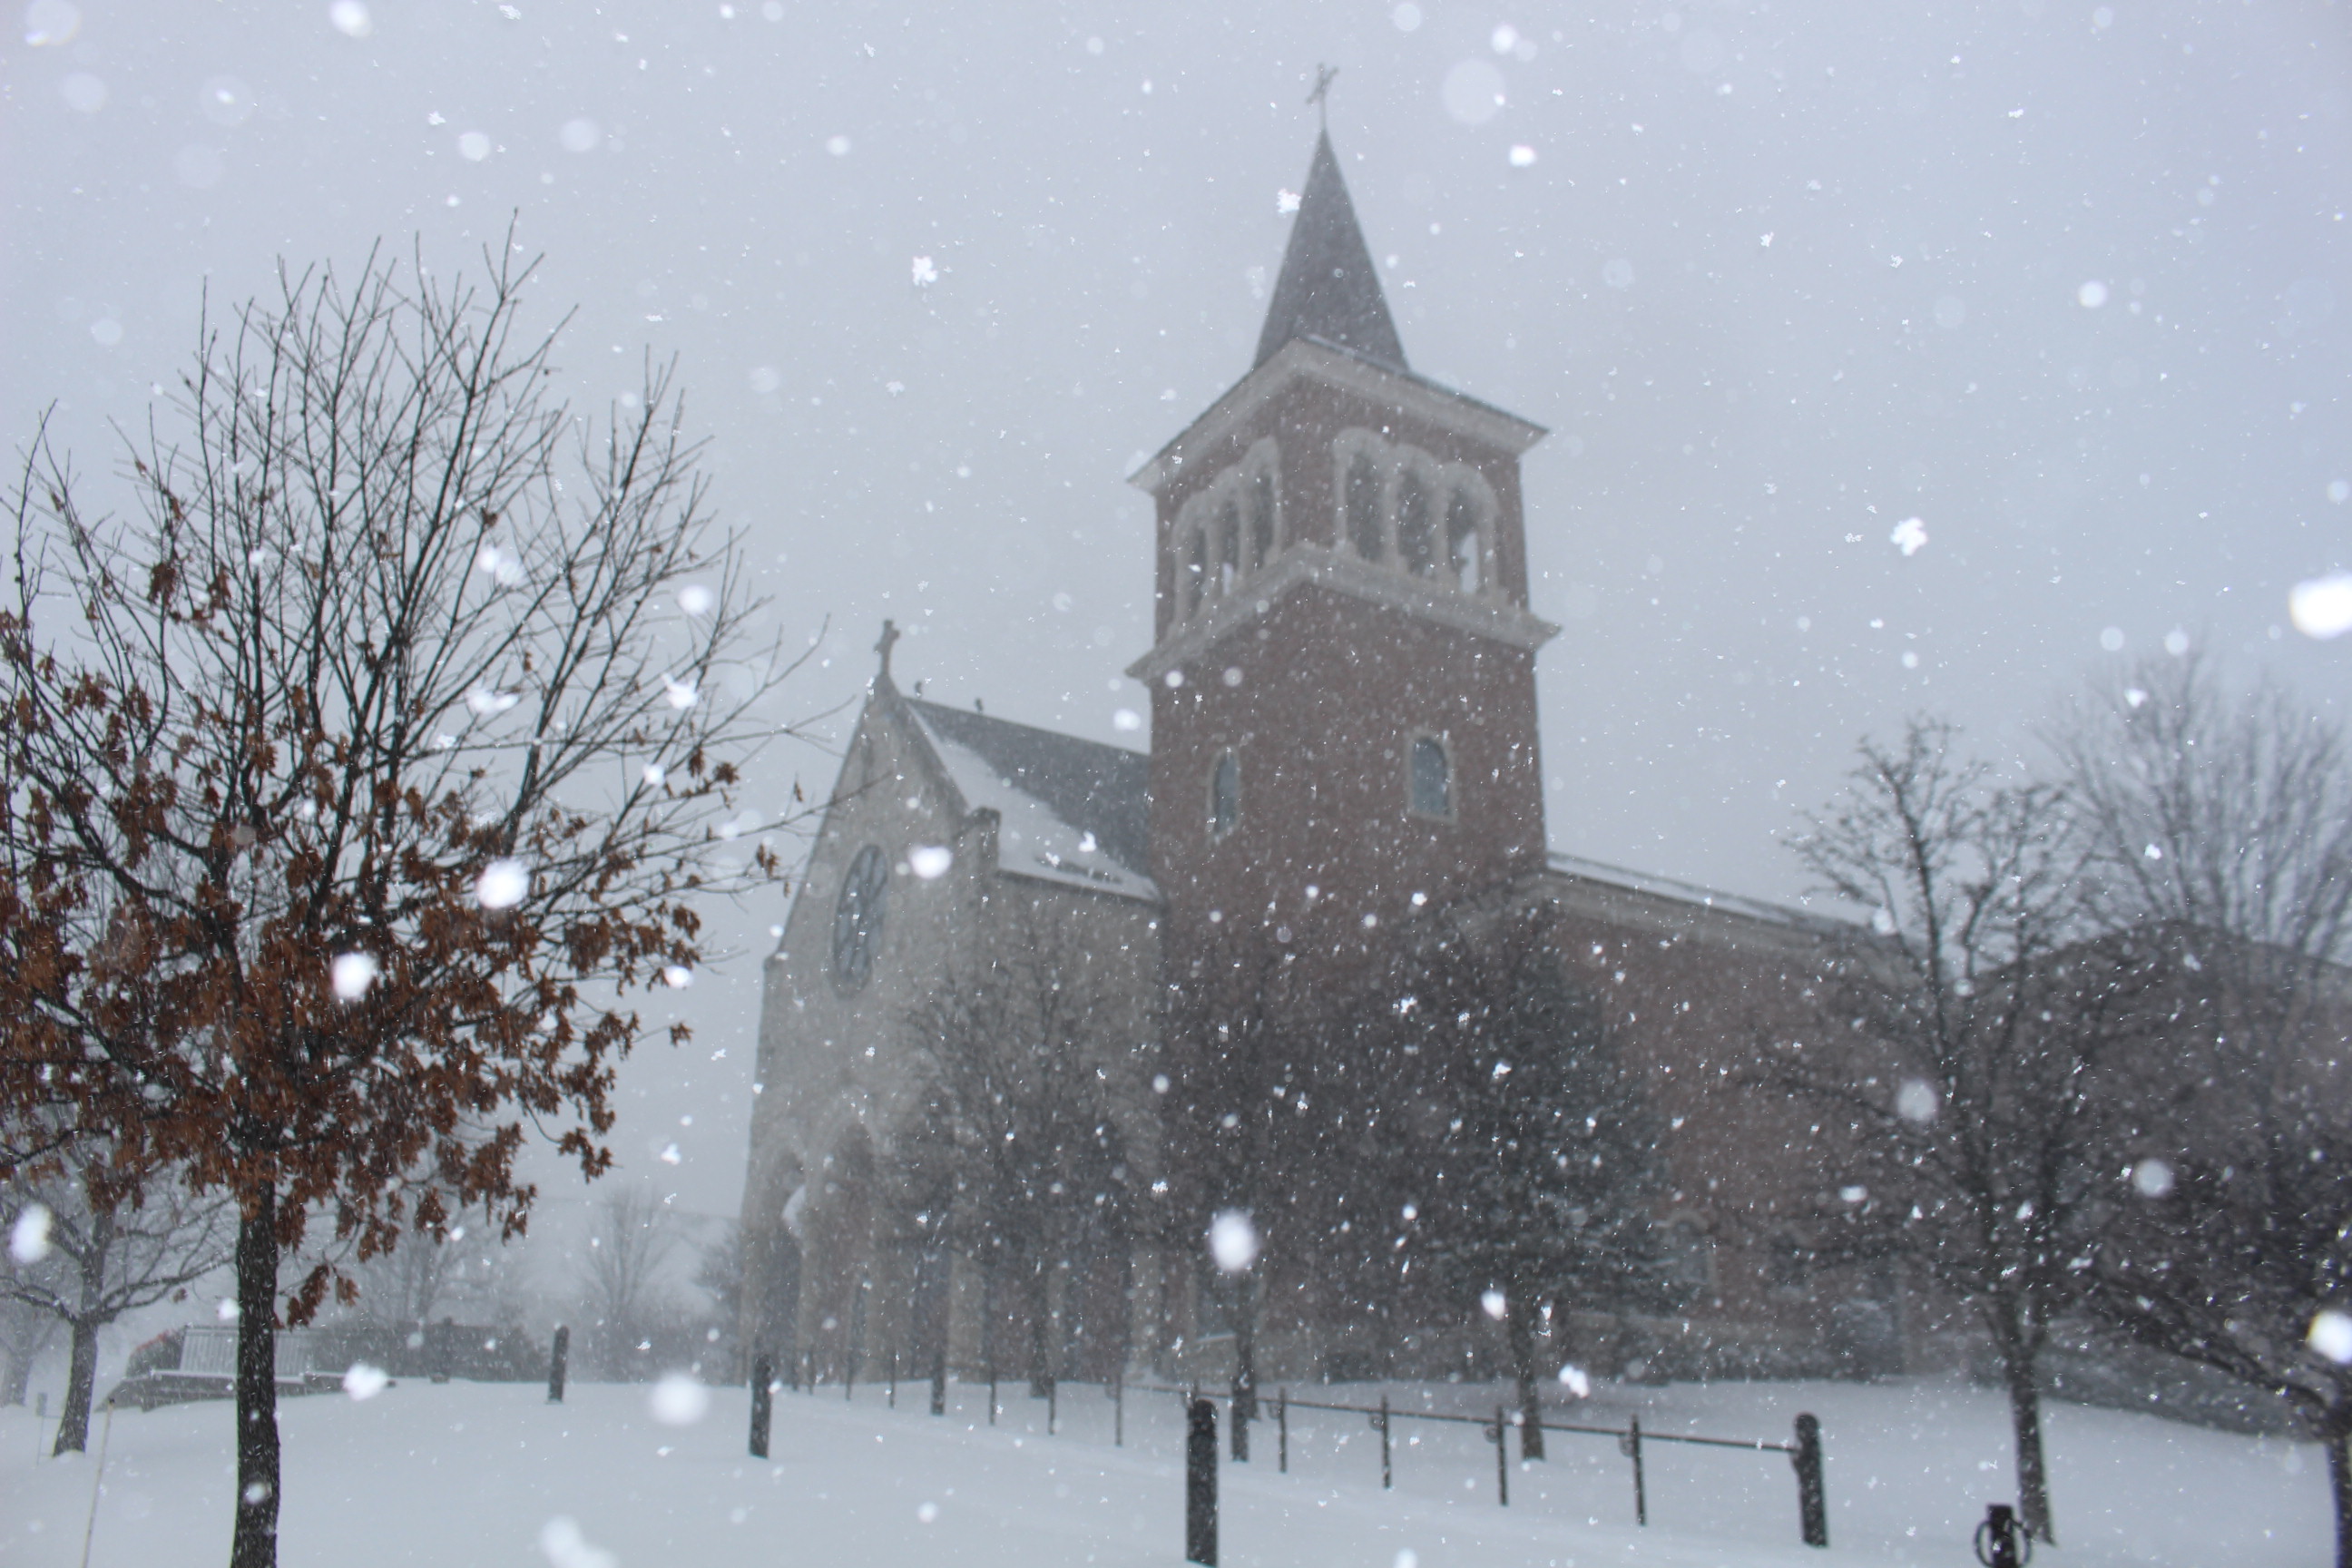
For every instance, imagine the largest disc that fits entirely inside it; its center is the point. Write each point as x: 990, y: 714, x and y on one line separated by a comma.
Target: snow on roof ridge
x: 1674, y: 887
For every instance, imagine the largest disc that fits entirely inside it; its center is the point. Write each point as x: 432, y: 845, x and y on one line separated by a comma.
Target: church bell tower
x: 1343, y: 674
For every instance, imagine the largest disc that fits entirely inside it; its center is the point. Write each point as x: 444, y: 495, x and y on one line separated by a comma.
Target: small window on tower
x: 1224, y: 795
x: 1416, y: 527
x: 1462, y: 540
x: 1195, y: 585
x: 1364, y: 506
x: 1229, y: 546
x: 1432, y: 780
x: 1261, y: 527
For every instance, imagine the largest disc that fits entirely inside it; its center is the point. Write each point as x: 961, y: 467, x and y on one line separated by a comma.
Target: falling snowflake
x: 677, y: 976
x: 696, y: 600
x: 1576, y: 1383
x: 926, y: 272
x: 681, y: 694
x: 28, y: 1238
x: 669, y: 1155
x: 1915, y: 1100
x: 565, y: 1547
x: 1233, y: 1241
x: 678, y: 1401
x: 353, y: 972
x: 1285, y: 201
x: 929, y: 861
x: 1493, y: 1303
x: 504, y: 884
x: 351, y: 18
x: 2152, y: 1177
x: 1910, y: 536
x: 2322, y: 606
x: 486, y: 703
x: 503, y: 565
x: 365, y: 1382
x: 2331, y: 1335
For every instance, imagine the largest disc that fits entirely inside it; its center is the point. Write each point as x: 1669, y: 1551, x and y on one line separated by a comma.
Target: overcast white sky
x: 2066, y: 283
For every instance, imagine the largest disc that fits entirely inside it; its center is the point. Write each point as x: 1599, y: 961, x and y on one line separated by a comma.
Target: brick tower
x: 1343, y: 675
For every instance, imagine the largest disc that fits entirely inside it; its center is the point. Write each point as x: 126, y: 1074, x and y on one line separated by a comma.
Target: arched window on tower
x: 1463, y: 543
x: 1196, y: 576
x: 1224, y: 795
x: 1364, y: 506
x: 1229, y: 546
x: 1261, y: 519
x: 1416, y: 527
x: 1431, y: 778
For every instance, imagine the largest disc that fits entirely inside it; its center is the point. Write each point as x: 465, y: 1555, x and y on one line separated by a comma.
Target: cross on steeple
x: 890, y: 635
x: 1321, y: 97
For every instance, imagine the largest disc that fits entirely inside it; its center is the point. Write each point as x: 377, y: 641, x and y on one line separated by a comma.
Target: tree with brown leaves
x: 354, y: 778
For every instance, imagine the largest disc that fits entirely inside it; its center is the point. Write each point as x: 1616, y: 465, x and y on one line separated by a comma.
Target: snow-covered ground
x: 479, y: 1473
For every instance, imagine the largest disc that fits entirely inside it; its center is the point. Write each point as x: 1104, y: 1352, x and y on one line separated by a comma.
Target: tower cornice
x: 1311, y: 359
x: 1311, y: 565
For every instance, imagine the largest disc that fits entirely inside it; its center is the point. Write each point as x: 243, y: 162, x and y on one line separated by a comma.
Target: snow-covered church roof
x: 1071, y: 811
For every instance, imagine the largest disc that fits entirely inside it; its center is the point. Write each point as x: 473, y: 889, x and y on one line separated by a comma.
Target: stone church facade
x: 1344, y: 741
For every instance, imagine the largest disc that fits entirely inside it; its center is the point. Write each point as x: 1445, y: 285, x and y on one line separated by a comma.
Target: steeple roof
x: 1327, y: 288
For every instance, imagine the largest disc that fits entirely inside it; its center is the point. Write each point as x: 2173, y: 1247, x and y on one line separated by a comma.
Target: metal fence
x: 1803, y: 1450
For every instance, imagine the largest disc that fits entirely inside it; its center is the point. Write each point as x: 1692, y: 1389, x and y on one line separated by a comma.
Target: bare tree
x: 1958, y: 1042
x: 25, y: 1331
x: 1241, y: 1030
x: 1015, y: 1160
x: 2222, y: 826
x: 353, y: 782
x: 461, y: 1262
x: 1539, y: 1179
x: 106, y: 1255
x: 620, y: 1277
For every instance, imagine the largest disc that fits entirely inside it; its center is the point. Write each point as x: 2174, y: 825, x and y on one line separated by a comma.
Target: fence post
x: 1119, y: 1410
x: 1053, y: 1404
x: 1200, y: 1484
x: 894, y: 1377
x: 1502, y: 1459
x: 992, y: 1391
x: 556, y: 1358
x: 1282, y: 1431
x: 1641, y: 1492
x: 939, y: 1381
x: 1812, y: 1506
x: 1241, y: 1412
x: 764, y: 1395
x: 1382, y: 1422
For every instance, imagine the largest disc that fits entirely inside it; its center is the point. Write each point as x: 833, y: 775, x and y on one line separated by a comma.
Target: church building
x: 1344, y: 743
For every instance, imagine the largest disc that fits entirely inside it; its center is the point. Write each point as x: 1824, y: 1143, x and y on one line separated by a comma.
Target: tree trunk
x: 1244, y: 1349
x: 255, y: 1544
x: 1039, y: 1303
x: 1520, y: 1324
x: 81, y: 1378
x: 18, y: 1376
x: 2339, y: 1483
x: 2025, y: 1417
x: 81, y: 1375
